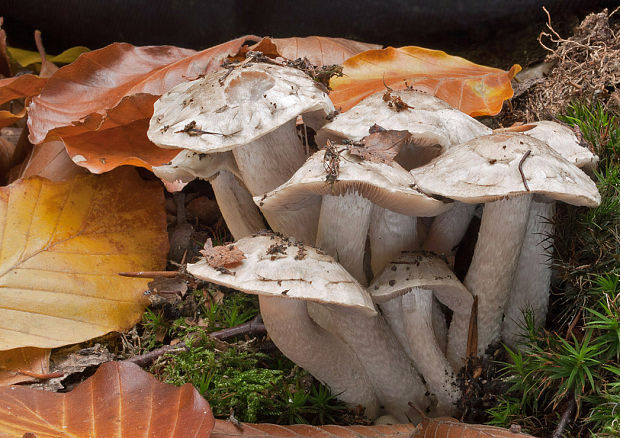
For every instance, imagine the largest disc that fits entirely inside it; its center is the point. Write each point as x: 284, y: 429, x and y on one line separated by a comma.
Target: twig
x: 527, y: 154
x: 565, y: 418
x: 253, y: 327
x: 150, y: 274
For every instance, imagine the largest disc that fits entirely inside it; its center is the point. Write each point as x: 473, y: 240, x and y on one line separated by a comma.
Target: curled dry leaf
x: 381, y: 146
x: 18, y: 87
x: 62, y: 247
x: 119, y: 400
x: 30, y: 360
x: 50, y: 160
x: 224, y: 256
x: 318, y: 50
x: 103, y: 101
x: 474, y: 89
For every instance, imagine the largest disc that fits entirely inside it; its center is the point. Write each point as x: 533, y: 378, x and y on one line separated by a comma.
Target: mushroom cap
x: 430, y: 120
x: 387, y: 185
x: 278, y: 266
x: 486, y: 169
x: 564, y: 141
x: 423, y: 270
x: 237, y: 107
x: 189, y: 165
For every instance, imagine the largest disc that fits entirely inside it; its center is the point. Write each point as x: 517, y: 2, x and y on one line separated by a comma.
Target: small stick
x: 565, y: 418
x: 527, y: 154
x: 150, y: 274
x: 253, y: 327
x: 40, y: 376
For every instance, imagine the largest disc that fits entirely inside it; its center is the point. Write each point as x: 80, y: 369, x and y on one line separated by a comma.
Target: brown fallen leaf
x: 318, y: 50
x: 226, y: 429
x: 18, y: 87
x: 381, y: 146
x: 50, y: 160
x: 63, y: 244
x: 474, y: 89
x: 33, y: 360
x: 224, y: 256
x: 119, y: 400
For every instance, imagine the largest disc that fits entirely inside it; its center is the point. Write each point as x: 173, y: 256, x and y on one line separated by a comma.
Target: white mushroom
x: 491, y: 169
x: 412, y: 280
x: 285, y: 275
x: 434, y: 127
x: 530, y: 287
x: 251, y: 111
x: 348, y: 194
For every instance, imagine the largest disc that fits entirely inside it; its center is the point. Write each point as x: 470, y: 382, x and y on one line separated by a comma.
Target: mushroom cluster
x: 355, y: 284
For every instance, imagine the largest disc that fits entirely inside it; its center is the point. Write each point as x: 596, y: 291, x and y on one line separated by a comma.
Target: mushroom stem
x: 530, y: 287
x: 389, y: 234
x: 236, y: 205
x: 392, y: 311
x: 448, y: 229
x: 417, y: 308
x: 319, y: 352
x: 490, y: 274
x: 394, y: 378
x: 270, y: 161
x: 343, y: 227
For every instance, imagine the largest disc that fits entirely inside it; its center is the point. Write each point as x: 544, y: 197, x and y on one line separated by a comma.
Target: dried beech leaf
x: 26, y: 58
x: 50, y: 160
x: 32, y: 360
x: 62, y: 247
x: 474, y: 89
x: 318, y: 50
x: 451, y: 428
x: 225, y: 429
x: 19, y: 87
x: 380, y: 147
x: 119, y: 400
x: 224, y: 256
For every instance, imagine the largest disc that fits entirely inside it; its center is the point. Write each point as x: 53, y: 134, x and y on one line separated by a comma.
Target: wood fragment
x: 40, y: 376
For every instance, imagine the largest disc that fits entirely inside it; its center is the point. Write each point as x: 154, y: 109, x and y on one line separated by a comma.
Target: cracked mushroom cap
x: 430, y: 120
x: 422, y: 270
x: 487, y: 169
x: 564, y: 141
x: 189, y: 165
x: 386, y: 185
x: 277, y: 266
x: 226, y: 109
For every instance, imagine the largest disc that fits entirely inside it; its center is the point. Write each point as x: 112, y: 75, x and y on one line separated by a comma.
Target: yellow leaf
x: 62, y: 245
x: 26, y: 58
x: 474, y: 89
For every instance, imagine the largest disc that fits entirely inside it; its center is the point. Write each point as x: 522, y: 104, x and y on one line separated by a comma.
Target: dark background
x: 483, y: 30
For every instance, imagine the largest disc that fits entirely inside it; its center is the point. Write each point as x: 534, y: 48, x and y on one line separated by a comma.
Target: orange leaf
x: 106, y: 127
x: 62, y: 245
x: 119, y: 400
x: 474, y: 89
x: 33, y: 360
x: 319, y: 50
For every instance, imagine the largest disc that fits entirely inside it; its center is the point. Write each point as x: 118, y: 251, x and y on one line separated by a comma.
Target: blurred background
x: 494, y: 32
